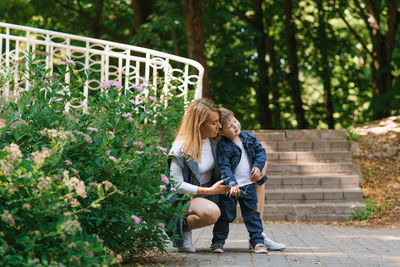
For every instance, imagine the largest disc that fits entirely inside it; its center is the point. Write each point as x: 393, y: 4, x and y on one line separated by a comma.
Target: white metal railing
x: 108, y: 61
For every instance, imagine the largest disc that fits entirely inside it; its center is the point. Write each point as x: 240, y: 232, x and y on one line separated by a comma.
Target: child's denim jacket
x: 229, y: 155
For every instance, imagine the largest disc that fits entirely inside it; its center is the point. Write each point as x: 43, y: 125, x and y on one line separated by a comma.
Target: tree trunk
x: 383, y: 46
x: 264, y: 113
x: 326, y: 72
x: 141, y: 11
x: 274, y: 74
x: 95, y: 22
x: 193, y: 15
x: 293, y: 61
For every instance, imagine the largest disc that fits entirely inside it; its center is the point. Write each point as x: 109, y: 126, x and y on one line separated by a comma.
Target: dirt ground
x: 378, y: 157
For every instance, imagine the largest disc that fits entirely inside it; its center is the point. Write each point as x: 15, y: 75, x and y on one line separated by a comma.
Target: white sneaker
x: 272, y: 245
x: 187, y: 243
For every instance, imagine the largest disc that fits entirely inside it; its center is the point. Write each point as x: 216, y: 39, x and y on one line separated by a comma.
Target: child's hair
x: 225, y: 115
x: 195, y: 115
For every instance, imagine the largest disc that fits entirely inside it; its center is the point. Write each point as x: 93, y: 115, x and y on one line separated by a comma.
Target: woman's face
x: 211, y: 126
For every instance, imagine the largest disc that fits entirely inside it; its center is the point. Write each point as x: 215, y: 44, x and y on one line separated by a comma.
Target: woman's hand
x: 218, y: 188
x: 215, y: 189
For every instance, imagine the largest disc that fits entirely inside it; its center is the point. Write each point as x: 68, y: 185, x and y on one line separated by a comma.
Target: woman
x: 193, y: 166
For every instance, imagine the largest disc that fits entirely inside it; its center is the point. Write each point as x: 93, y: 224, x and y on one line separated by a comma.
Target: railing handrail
x: 107, y: 49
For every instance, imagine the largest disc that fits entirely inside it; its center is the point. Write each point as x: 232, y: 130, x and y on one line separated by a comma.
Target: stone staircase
x: 311, y: 176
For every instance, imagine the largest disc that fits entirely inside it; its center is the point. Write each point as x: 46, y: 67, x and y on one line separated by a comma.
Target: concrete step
x: 322, y: 211
x: 330, y: 180
x: 309, y: 156
x: 313, y: 195
x: 305, y: 145
x: 279, y: 168
x: 284, y: 135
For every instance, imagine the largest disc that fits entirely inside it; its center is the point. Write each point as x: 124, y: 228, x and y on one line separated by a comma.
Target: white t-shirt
x: 206, y: 163
x: 243, y: 170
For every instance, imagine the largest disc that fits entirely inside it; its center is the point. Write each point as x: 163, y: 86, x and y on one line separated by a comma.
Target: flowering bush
x: 83, y: 187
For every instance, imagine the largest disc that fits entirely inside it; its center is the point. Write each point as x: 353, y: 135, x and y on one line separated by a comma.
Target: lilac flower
x: 164, y: 179
x: 152, y: 98
x: 68, y: 162
x: 162, y: 148
x: 116, y: 84
x: 139, y: 152
x: 69, y: 61
x: 143, y: 80
x: 61, y: 63
x: 137, y: 219
x: 163, y: 187
x: 130, y: 119
x: 92, y: 129
x: 138, y: 143
x: 107, y: 84
x: 161, y: 225
x: 112, y: 158
x: 173, y: 189
x: 138, y: 87
x: 132, y: 101
x: 125, y: 115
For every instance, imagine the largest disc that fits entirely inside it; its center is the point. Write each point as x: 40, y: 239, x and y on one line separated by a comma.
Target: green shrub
x: 366, y: 213
x: 114, y: 154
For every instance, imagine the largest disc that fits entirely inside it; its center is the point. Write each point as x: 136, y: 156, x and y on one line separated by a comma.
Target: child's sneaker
x: 272, y: 245
x: 217, y: 248
x: 260, y: 248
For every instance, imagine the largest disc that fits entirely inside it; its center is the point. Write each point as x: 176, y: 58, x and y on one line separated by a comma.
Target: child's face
x: 231, y: 128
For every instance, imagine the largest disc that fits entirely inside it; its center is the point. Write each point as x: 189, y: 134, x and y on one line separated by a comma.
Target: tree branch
x: 332, y: 2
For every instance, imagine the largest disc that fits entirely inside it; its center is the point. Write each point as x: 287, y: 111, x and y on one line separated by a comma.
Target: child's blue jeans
x: 251, y: 217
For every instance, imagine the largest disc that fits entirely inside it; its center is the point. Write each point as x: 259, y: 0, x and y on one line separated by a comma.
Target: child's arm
x: 224, y: 166
x: 260, y: 158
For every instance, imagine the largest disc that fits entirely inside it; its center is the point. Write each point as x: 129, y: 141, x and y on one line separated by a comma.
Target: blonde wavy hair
x: 196, y: 114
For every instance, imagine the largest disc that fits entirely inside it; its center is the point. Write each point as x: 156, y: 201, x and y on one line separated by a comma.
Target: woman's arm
x: 176, y: 174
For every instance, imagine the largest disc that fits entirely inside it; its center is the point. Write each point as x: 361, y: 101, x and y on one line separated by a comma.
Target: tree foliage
x: 344, y: 76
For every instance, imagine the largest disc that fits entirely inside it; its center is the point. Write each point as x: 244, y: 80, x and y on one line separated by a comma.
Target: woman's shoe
x: 187, y: 243
x: 272, y: 245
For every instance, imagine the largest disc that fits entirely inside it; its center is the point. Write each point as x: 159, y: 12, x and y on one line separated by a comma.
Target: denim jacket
x: 191, y: 174
x: 229, y: 155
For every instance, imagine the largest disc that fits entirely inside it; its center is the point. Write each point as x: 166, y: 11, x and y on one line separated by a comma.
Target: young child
x: 240, y: 160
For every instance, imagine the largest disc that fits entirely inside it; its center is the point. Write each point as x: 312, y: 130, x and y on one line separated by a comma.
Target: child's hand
x: 256, y: 174
x: 235, y: 191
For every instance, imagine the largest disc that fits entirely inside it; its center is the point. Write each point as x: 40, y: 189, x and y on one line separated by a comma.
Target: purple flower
x: 152, y: 98
x: 61, y: 63
x: 107, y: 84
x: 130, y: 119
x: 139, y: 152
x: 137, y: 219
x: 138, y: 143
x: 116, y: 84
x: 69, y: 61
x: 112, y: 158
x: 161, y: 225
x: 163, y: 187
x: 132, y: 101
x: 162, y: 148
x: 125, y: 115
x: 68, y: 162
x: 92, y: 129
x: 143, y: 80
x: 164, y: 179
x: 138, y: 87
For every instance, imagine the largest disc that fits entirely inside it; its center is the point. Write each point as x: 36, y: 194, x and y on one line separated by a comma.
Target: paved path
x: 307, y: 245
